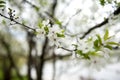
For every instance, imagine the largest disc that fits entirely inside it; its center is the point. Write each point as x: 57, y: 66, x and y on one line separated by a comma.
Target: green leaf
x: 62, y: 31
x: 93, y: 53
x: 60, y: 35
x: 96, y: 44
x: 84, y: 55
x: 102, y: 2
x: 75, y: 45
x: 113, y: 43
x: 58, y: 22
x: 79, y: 52
x: 2, y: 5
x: 4, y: 22
x: 89, y: 39
x: 2, y: 2
x: 109, y: 1
x: 40, y: 25
x: 99, y: 39
x: 118, y: 4
x: 108, y: 46
x: 106, y: 35
x: 36, y: 33
x: 37, y: 8
x: 46, y: 30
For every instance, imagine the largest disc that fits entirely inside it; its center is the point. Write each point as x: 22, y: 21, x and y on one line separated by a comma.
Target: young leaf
x: 102, y: 2
x: 2, y: 2
x: 37, y: 8
x: 58, y: 22
x: 106, y: 35
x: 84, y: 55
x: 4, y: 22
x: 109, y: 1
x: 40, y: 24
x: 60, y: 35
x: 108, y: 46
x: 99, y: 39
x: 89, y: 39
x: 113, y: 43
x: 118, y: 4
x: 2, y: 5
x: 62, y: 31
x: 79, y: 52
x: 93, y: 53
x: 96, y: 44
x: 46, y: 29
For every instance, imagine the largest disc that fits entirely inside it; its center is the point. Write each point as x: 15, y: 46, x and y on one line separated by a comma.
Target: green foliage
x: 37, y: 8
x: 102, y: 2
x: 43, y: 2
x: 46, y: 29
x: 2, y: 3
x: 99, y: 39
x: 98, y: 45
x: 3, y: 22
x: 1, y: 73
x: 113, y: 43
x: 106, y: 35
x: 58, y: 22
x: 40, y: 24
x: 108, y: 47
x: 118, y: 4
x: 109, y: 1
x: 61, y: 34
x: 84, y: 55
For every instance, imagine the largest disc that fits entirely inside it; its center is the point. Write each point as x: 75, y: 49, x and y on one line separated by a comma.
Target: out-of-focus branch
x: 36, y: 8
x: 30, y: 3
x: 54, y: 67
x: 7, y: 46
x: 41, y: 64
x: 57, y: 57
x: 116, y: 12
x: 66, y: 6
x: 77, y: 12
x: 31, y: 44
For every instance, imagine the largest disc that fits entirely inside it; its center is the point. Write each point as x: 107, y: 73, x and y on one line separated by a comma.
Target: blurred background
x: 27, y: 56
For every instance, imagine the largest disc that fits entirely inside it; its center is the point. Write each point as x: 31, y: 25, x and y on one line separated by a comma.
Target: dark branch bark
x: 54, y: 67
x: 116, y: 12
x: 53, y: 8
x: 41, y: 64
x: 42, y: 61
x: 31, y: 44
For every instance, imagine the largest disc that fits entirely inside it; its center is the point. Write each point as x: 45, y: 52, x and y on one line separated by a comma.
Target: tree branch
x: 17, y: 22
x: 116, y: 12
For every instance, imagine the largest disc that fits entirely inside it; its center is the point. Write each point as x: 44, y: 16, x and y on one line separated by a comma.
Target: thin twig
x: 77, y: 12
x: 17, y: 22
x: 67, y: 49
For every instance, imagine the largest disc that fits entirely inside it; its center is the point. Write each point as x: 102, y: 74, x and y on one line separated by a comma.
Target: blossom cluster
x: 53, y: 32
